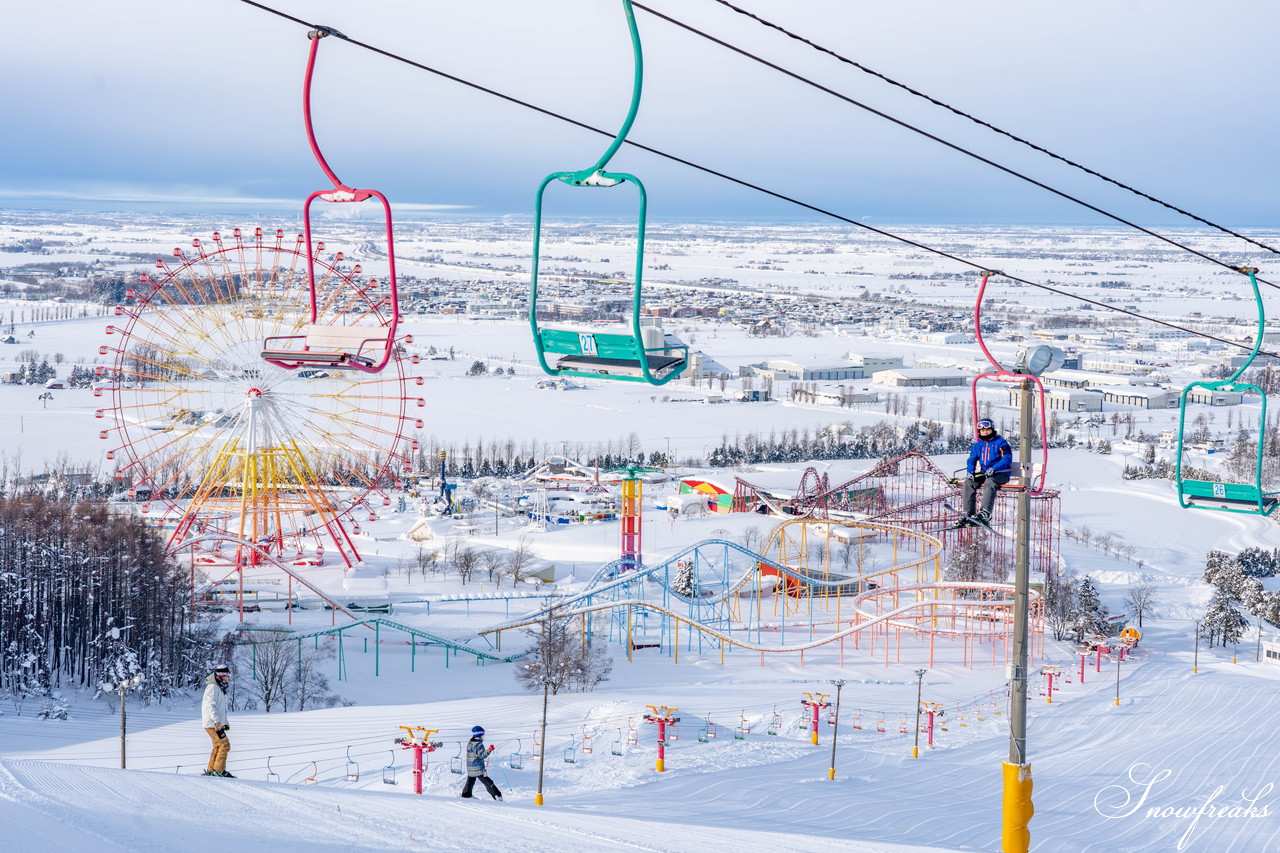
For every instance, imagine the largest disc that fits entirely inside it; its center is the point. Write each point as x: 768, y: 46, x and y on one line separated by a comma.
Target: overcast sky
x: 196, y: 101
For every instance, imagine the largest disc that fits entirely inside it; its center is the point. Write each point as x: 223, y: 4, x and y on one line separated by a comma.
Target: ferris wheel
x: 215, y: 439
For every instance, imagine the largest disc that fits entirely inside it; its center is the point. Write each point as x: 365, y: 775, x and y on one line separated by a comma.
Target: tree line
x: 87, y: 596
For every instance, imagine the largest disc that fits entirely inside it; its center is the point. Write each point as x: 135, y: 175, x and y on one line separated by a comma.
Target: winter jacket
x: 993, y: 455
x: 213, y: 708
x: 477, y: 756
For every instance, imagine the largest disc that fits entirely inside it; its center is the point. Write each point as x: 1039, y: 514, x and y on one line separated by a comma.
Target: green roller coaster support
x: 1251, y: 497
x: 588, y: 352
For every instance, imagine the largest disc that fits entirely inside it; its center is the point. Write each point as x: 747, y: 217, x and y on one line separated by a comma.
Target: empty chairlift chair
x: 637, y: 351
x: 351, y: 326
x: 353, y: 769
x: 1248, y: 497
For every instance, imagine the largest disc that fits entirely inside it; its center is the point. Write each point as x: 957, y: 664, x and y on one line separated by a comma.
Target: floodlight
x: 1038, y: 359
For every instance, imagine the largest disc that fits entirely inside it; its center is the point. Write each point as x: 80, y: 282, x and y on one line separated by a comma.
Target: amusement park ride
x: 259, y: 398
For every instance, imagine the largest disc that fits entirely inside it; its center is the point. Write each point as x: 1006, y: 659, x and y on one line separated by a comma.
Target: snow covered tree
x: 1223, y: 622
x: 563, y: 658
x: 683, y: 582
x: 1060, y: 604
x: 1091, y: 614
x: 970, y: 559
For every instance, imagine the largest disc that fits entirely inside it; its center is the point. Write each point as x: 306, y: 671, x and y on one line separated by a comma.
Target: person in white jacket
x: 213, y: 715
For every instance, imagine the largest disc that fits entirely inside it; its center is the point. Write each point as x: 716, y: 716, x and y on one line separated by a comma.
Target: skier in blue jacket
x: 477, y: 759
x: 989, y: 467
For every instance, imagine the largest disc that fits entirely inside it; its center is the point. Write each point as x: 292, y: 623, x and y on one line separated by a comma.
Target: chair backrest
x: 600, y: 344
x: 344, y: 337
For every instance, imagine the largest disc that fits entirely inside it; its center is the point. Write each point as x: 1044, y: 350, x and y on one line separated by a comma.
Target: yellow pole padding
x: 537, y: 800
x: 1014, y: 835
x: 660, y: 766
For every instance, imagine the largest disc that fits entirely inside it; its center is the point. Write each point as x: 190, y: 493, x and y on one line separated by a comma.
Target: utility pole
x: 542, y: 753
x: 122, y: 688
x: 1195, y: 661
x: 1014, y: 836
x: 915, y: 750
x: 835, y: 730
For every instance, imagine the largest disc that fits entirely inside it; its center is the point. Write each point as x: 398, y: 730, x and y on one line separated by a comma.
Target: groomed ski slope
x: 1207, y: 730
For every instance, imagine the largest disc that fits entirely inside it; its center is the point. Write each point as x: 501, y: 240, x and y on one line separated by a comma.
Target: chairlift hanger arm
x: 327, y: 346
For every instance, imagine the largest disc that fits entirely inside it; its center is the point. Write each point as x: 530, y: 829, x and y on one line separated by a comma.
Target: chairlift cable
x: 938, y: 139
x: 774, y: 193
x: 992, y: 127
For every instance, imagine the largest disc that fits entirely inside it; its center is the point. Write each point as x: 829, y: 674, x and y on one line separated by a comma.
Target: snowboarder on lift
x: 477, y: 758
x: 213, y: 715
x: 989, y: 467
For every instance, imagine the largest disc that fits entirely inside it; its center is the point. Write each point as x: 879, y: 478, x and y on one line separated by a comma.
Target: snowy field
x: 1139, y: 776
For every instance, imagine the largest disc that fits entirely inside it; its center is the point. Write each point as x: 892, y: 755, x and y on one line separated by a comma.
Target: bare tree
x: 426, y: 561
x: 268, y: 663
x: 1060, y: 604
x: 563, y: 658
x: 492, y: 561
x: 1141, y: 599
x: 465, y: 562
x: 521, y: 556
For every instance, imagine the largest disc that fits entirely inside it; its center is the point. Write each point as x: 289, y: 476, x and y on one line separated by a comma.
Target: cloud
x: 139, y: 195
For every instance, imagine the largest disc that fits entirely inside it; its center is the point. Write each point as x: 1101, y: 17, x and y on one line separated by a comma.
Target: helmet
x: 986, y: 423
x: 222, y: 671
x: 477, y: 730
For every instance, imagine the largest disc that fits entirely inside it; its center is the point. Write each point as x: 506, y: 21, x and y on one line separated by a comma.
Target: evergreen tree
x: 1091, y: 614
x: 683, y: 582
x: 1223, y: 620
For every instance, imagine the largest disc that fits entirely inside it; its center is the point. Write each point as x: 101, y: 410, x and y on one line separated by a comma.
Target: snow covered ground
x: 1172, y: 743
x: 1179, y: 744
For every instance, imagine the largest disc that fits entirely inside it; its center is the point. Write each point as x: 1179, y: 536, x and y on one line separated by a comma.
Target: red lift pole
x: 1050, y: 673
x: 419, y: 745
x: 663, y: 716
x: 815, y: 703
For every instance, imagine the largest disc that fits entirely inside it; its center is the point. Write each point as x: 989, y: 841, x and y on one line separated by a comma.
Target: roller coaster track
x: 925, y: 607
x: 416, y: 633
x: 608, y: 580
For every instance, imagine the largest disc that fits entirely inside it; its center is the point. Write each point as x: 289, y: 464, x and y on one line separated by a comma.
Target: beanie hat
x: 477, y: 730
x: 222, y: 671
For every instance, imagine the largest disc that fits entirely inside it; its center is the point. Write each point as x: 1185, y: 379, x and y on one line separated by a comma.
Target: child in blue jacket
x: 477, y: 758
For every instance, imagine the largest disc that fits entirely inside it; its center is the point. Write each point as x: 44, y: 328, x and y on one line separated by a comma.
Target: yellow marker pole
x: 1015, y: 837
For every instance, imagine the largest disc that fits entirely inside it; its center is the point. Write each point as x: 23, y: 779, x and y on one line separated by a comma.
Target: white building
x: 921, y: 377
